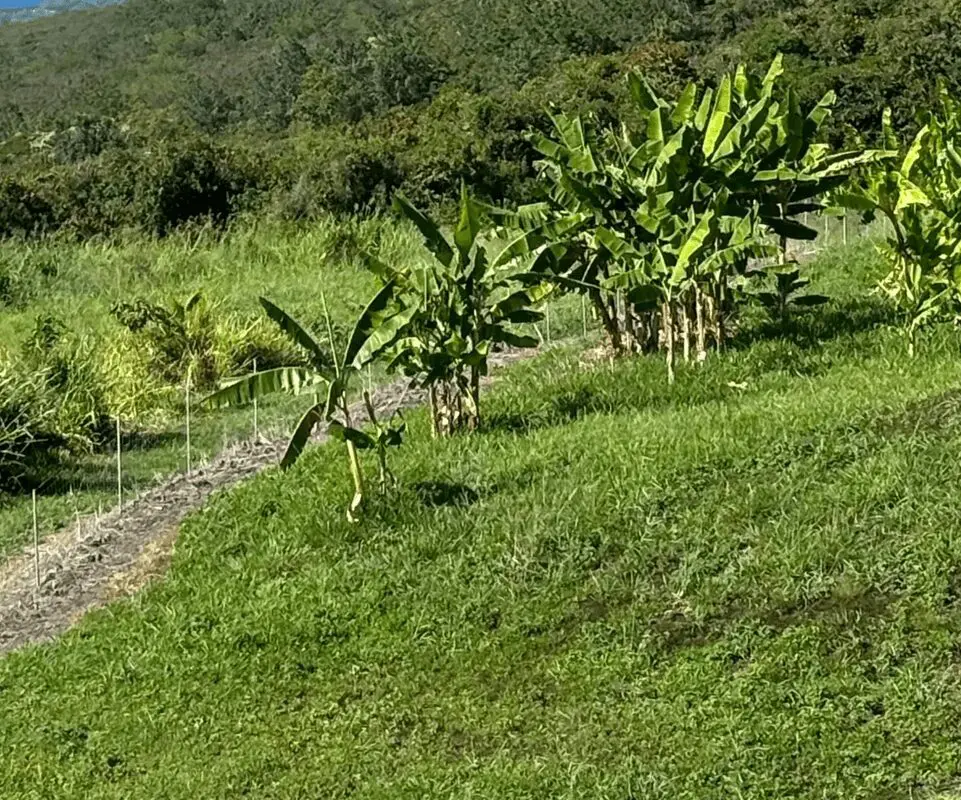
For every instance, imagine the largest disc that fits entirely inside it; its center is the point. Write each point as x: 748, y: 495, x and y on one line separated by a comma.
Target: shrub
x: 23, y: 212
x: 341, y: 172
x: 154, y: 189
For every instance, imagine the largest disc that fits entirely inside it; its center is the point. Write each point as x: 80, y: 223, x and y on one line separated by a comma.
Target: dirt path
x: 101, y: 558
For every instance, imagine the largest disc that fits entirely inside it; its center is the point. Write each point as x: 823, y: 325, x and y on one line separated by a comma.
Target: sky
x: 17, y: 3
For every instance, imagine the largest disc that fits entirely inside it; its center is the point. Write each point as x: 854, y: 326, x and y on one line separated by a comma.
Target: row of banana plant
x: 656, y: 224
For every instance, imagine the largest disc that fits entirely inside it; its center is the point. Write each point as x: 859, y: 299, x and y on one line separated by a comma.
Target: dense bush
x: 198, y: 339
x: 52, y: 399
x: 23, y: 211
x: 153, y: 188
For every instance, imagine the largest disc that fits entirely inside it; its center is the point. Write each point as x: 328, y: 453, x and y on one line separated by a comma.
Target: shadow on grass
x: 441, y: 493
x: 149, y: 440
x: 54, y: 472
x: 796, y: 349
x: 675, y: 632
x: 809, y: 329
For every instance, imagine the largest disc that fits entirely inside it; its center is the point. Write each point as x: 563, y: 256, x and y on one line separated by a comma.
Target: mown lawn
x: 747, y: 585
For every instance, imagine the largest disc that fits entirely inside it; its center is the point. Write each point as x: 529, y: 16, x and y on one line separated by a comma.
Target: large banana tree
x: 444, y: 317
x: 646, y: 216
x: 920, y: 196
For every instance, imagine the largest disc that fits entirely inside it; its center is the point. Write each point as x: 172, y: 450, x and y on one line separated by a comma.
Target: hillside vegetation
x: 700, y: 544
x: 742, y: 585
x: 146, y: 115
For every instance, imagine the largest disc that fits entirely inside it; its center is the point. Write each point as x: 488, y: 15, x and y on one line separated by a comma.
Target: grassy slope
x: 82, y: 283
x: 292, y: 266
x: 746, y: 585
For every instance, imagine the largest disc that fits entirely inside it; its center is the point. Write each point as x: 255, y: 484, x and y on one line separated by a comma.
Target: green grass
x: 746, y: 585
x: 291, y: 265
x: 79, y: 282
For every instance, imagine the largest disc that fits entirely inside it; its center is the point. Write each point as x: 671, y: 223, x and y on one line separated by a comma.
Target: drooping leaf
x: 433, y: 238
x: 388, y: 330
x: 790, y: 229
x: 298, y: 441
x: 512, y: 339
x: 367, y: 323
x: 243, y: 391
x: 360, y: 440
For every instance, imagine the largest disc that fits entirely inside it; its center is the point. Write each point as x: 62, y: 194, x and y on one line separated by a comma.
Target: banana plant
x: 446, y: 316
x: 788, y: 292
x: 795, y: 173
x: 667, y: 212
x: 648, y: 215
x: 323, y: 371
x: 921, y: 199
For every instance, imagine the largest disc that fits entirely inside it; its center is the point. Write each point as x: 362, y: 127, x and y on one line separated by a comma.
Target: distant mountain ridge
x: 47, y: 8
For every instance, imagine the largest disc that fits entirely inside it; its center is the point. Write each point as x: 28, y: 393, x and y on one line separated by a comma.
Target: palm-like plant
x: 323, y: 371
x: 921, y: 199
x: 446, y: 316
x: 665, y: 213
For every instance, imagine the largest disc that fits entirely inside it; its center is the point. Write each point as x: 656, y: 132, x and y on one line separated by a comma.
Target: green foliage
x: 52, y: 401
x: 788, y: 292
x: 179, y: 338
x: 921, y: 199
x: 155, y: 187
x: 442, y: 320
x: 333, y: 108
x: 23, y: 212
x: 654, y: 220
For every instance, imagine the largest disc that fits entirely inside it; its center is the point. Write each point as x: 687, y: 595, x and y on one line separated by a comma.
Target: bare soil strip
x: 103, y: 558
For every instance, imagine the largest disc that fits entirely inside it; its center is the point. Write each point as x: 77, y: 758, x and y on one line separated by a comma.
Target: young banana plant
x: 336, y: 373
x: 788, y: 292
x: 447, y: 315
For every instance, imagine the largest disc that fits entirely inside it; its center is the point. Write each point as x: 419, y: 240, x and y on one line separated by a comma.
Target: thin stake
x: 36, y: 541
x: 256, y: 426
x: 187, y: 399
x: 844, y: 231
x: 584, y: 313
x: 119, y: 473
x: 547, y: 322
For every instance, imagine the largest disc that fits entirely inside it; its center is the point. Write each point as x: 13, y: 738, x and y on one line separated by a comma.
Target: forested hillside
x: 299, y: 108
